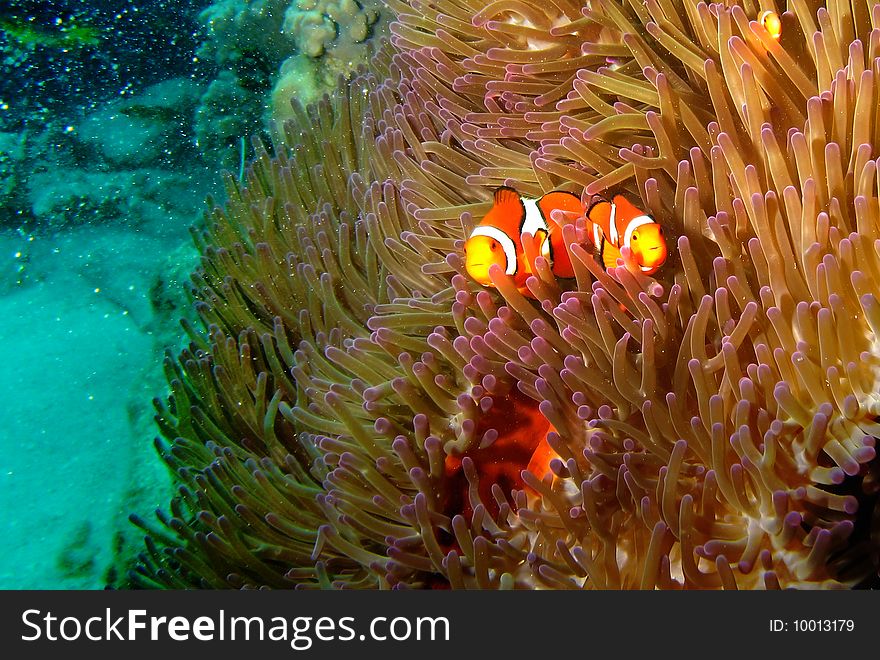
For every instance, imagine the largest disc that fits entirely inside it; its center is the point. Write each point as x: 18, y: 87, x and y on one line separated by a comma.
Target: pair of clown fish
x: 616, y: 224
x: 498, y: 239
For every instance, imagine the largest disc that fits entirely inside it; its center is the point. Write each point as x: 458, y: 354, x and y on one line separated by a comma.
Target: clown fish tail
x: 560, y: 200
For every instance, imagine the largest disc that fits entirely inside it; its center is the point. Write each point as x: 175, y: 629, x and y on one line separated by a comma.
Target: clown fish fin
x: 610, y: 255
x: 507, y: 197
x: 542, y: 243
x: 508, y: 213
x: 539, y: 463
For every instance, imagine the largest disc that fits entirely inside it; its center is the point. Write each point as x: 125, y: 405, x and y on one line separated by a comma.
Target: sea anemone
x: 342, y: 420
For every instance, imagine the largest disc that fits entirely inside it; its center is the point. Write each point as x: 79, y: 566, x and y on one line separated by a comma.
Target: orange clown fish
x: 771, y: 22
x: 617, y: 224
x: 520, y: 443
x: 498, y: 238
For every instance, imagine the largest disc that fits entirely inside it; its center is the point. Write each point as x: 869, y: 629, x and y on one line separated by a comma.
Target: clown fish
x: 771, y: 22
x: 498, y: 237
x: 521, y: 444
x: 618, y: 224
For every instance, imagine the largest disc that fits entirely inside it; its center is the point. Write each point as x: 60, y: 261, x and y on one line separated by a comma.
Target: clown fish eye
x: 635, y: 236
x: 494, y: 245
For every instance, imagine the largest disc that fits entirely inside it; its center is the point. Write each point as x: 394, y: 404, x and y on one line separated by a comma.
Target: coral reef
x: 276, y: 29
x: 272, y: 50
x: 146, y: 129
x: 120, y: 162
x: 712, y: 427
x: 317, y: 25
x: 226, y: 112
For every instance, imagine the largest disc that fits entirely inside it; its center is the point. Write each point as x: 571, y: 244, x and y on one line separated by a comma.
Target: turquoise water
x: 116, y: 119
x: 100, y: 178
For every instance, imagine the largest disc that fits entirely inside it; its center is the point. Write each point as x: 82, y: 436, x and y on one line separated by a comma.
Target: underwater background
x: 253, y: 339
x: 116, y: 119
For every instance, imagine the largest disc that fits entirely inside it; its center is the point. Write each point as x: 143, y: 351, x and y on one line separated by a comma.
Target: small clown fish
x: 618, y: 224
x: 498, y: 237
x: 771, y: 22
